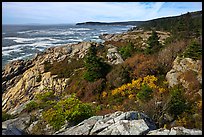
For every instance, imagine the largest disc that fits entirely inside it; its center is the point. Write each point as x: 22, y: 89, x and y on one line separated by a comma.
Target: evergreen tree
x: 95, y: 67
x: 153, y: 43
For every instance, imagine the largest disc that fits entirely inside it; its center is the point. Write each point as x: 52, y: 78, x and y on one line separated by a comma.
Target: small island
x: 112, y: 23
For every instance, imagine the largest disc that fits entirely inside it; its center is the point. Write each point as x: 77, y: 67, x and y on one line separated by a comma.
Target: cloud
x: 71, y: 12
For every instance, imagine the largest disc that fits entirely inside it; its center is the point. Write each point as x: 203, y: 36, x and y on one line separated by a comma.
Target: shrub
x: 54, y: 118
x: 142, y: 65
x: 118, y: 76
x: 46, y: 96
x: 32, y: 105
x: 70, y: 109
x: 126, y: 51
x: 63, y: 69
x: 6, y: 116
x: 79, y: 112
x: 168, y: 54
x: 194, y: 51
x: 145, y: 93
x: 177, y: 105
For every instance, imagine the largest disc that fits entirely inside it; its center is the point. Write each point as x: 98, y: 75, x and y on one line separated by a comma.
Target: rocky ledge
x: 19, y: 78
x: 117, y: 123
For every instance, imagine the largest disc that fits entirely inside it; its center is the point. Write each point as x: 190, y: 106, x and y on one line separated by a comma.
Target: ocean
x: 24, y: 41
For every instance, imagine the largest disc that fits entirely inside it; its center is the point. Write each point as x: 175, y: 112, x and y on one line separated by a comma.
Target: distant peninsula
x: 112, y: 23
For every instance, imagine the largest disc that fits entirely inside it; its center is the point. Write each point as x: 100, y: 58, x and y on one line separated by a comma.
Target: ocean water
x: 24, y: 41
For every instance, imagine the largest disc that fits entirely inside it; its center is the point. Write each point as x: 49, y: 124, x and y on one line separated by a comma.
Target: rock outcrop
x: 123, y: 123
x: 134, y: 36
x: 182, y: 66
x: 175, y: 131
x: 118, y: 123
x: 113, y: 55
x: 16, y: 126
x: 21, y: 78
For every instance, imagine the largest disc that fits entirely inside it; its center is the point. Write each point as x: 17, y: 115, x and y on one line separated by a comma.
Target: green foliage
x: 153, y: 43
x: 46, y: 96
x: 63, y: 69
x: 32, y: 105
x: 145, y: 93
x: 70, y: 109
x: 6, y: 116
x: 184, y: 26
x: 194, y: 51
x: 126, y: 51
x: 177, y: 104
x: 55, y: 118
x: 95, y: 67
x: 46, y: 100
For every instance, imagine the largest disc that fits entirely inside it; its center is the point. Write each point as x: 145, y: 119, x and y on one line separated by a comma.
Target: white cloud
x: 65, y: 12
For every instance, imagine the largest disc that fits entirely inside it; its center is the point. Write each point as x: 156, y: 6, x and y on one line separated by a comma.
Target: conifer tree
x: 95, y: 67
x: 153, y: 43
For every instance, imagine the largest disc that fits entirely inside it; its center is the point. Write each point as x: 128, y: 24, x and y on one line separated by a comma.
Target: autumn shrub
x: 96, y: 87
x: 70, y: 109
x: 118, y: 76
x: 65, y: 68
x: 90, y: 91
x: 142, y: 65
x: 139, y: 89
x: 168, y: 54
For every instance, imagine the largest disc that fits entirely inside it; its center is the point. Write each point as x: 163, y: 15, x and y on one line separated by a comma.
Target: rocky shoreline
x: 20, y: 85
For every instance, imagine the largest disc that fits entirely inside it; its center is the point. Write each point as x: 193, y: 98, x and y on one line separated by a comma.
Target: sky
x: 75, y: 12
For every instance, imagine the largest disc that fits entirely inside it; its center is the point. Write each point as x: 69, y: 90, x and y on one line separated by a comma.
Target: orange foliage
x: 143, y: 65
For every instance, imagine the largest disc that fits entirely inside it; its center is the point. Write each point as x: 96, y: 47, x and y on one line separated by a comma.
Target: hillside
x: 191, y: 23
x: 112, y: 23
x: 144, y: 81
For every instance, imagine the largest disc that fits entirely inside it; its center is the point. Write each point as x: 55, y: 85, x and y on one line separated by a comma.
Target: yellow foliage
x: 131, y: 88
x: 131, y: 96
x: 199, y: 104
x: 165, y: 126
x: 181, y: 121
x: 104, y: 94
x: 161, y: 90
